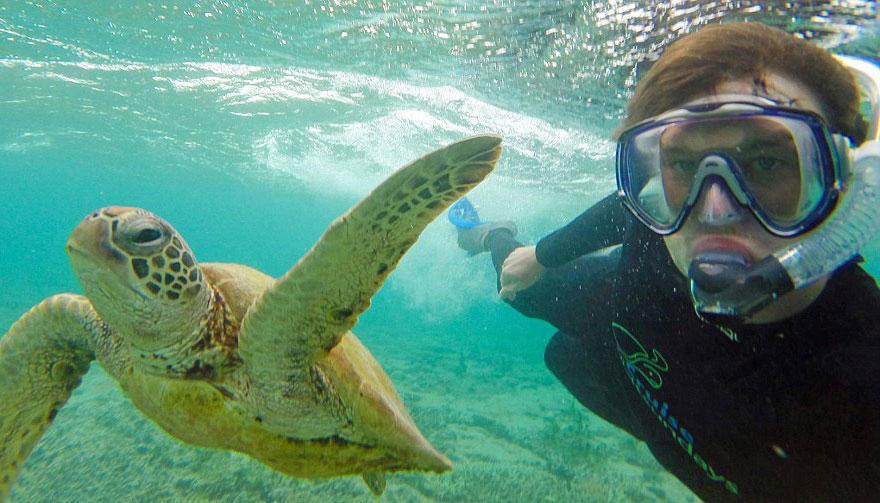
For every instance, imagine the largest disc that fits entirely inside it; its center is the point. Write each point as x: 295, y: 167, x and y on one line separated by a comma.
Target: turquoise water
x: 251, y: 125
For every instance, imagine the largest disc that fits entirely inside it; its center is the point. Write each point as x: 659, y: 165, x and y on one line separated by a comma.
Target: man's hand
x: 519, y: 271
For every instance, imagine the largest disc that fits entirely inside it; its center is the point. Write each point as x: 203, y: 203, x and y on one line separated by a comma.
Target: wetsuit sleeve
x: 602, y: 225
x: 573, y: 297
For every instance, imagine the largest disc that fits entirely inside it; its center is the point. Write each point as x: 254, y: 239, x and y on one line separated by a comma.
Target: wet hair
x: 700, y: 61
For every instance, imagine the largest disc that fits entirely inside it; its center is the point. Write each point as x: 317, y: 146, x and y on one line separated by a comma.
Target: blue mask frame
x: 833, y: 159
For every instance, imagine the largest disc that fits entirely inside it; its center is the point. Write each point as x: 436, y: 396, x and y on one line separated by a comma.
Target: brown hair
x: 700, y: 61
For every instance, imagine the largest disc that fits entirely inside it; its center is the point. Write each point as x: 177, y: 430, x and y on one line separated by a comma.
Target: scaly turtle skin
x: 221, y: 355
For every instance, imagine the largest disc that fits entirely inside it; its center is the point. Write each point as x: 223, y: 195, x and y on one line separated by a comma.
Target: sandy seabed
x: 513, y: 433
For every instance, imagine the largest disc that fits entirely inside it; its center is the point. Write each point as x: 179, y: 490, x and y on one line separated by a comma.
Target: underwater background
x: 251, y: 125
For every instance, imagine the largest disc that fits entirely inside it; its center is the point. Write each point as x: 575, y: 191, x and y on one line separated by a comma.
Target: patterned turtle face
x: 136, y: 269
x: 157, y: 258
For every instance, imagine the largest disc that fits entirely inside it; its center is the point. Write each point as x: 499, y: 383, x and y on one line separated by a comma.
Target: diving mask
x: 781, y: 163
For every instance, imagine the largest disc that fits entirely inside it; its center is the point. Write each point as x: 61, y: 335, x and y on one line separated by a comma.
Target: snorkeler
x: 734, y: 331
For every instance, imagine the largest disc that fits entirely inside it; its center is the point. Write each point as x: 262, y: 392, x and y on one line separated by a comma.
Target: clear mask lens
x: 774, y: 164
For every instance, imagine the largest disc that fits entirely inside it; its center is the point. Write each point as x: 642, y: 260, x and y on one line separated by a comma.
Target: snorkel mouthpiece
x: 721, y: 284
x: 716, y: 271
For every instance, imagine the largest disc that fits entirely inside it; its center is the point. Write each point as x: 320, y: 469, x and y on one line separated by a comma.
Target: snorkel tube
x: 743, y: 291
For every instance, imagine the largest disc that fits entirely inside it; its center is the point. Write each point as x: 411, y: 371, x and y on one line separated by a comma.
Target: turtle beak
x: 91, y: 240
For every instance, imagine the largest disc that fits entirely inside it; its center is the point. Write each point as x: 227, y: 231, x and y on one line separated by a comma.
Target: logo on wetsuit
x: 646, y: 370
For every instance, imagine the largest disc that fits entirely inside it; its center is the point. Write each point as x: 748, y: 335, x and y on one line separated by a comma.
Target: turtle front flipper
x: 42, y: 358
x: 308, y: 310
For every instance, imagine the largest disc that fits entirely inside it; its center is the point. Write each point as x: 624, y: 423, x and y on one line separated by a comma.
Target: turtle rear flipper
x: 375, y: 481
x: 42, y: 358
x: 308, y: 310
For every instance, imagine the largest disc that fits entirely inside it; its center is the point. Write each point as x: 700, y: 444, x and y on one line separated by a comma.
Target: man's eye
x: 765, y: 163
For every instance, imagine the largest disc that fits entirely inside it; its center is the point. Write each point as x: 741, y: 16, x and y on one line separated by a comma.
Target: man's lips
x: 723, y: 245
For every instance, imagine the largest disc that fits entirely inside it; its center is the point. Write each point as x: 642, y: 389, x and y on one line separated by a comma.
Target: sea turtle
x: 224, y: 356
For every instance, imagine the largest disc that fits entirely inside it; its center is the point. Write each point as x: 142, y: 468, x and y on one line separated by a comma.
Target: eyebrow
x: 774, y: 138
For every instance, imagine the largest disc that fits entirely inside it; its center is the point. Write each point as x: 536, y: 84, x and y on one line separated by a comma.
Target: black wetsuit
x: 788, y: 411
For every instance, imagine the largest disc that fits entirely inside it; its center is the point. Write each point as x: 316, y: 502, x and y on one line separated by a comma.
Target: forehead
x: 784, y: 90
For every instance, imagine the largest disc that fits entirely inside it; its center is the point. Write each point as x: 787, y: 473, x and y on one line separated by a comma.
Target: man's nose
x: 717, y: 205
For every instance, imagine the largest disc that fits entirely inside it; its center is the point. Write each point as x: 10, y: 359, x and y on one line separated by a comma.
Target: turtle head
x: 140, y: 276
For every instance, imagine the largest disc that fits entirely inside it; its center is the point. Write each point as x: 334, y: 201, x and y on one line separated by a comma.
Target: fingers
x: 507, y: 293
x: 519, y: 271
x: 511, y: 284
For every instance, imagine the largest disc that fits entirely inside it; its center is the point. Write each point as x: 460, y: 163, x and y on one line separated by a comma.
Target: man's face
x: 718, y: 222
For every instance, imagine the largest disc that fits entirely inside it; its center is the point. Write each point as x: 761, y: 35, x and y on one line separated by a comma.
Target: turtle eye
x: 142, y: 236
x: 147, y: 235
